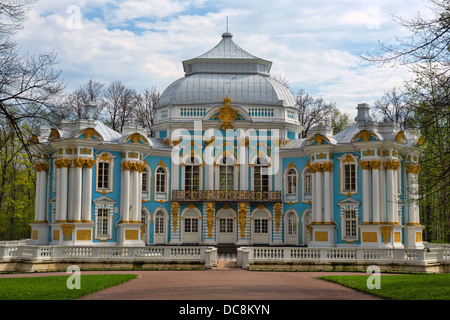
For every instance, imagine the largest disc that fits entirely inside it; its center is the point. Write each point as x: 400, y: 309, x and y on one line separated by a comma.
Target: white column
x: 76, y: 194
x: 125, y: 194
x: 382, y: 193
x: 42, y: 195
x: 87, y: 191
x: 391, y: 194
x: 328, y: 193
x: 366, y: 191
x: 413, y: 206
x: 243, y: 165
x: 63, y: 193
x: 175, y: 180
x: 395, y: 187
x: 135, y: 195
x: 375, y: 193
x: 313, y: 194
x: 38, y: 196
x: 139, y: 194
x: 319, y: 196
x: 57, y: 189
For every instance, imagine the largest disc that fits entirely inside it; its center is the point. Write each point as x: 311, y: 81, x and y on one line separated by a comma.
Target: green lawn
x: 55, y: 287
x: 401, y: 287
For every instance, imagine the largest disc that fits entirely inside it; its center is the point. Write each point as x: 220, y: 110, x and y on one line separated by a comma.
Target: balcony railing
x: 226, y: 196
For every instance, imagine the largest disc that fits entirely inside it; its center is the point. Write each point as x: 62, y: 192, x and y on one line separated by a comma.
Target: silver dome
x: 227, y: 70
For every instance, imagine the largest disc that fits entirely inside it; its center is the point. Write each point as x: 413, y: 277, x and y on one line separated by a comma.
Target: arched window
x: 308, y: 182
x: 160, y: 180
x: 292, y: 181
x: 292, y: 224
x: 226, y: 174
x: 159, y: 223
x: 105, y: 168
x: 349, y: 174
x: 192, y: 175
x: 145, y: 186
x: 261, y: 175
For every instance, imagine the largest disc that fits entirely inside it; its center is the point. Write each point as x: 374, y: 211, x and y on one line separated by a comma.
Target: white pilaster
x: 87, y: 194
x: 76, y: 194
x: 391, y: 195
x: 318, y: 196
x: 125, y: 193
x: 366, y: 207
x: 375, y: 195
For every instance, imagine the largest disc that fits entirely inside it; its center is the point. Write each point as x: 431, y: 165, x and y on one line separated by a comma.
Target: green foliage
x: 17, y: 186
x: 55, y: 287
x: 401, y: 287
x: 430, y: 101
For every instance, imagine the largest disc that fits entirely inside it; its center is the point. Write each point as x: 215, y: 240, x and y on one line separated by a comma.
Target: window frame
x: 349, y: 183
x: 101, y: 160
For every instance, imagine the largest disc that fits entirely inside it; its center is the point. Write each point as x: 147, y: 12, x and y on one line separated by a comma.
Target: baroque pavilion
x: 227, y: 165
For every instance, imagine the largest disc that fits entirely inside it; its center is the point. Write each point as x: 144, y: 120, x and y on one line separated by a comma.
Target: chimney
x: 363, y: 114
x: 90, y: 111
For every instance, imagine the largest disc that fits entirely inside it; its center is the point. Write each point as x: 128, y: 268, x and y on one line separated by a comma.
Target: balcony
x: 226, y: 196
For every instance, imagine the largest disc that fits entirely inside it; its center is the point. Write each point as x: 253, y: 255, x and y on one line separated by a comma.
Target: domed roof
x: 225, y: 70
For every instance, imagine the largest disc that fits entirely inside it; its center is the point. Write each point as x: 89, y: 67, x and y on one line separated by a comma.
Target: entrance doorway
x: 261, y: 228
x: 226, y: 226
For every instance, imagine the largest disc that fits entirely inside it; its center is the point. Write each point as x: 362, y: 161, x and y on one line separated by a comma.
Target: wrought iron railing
x: 226, y: 196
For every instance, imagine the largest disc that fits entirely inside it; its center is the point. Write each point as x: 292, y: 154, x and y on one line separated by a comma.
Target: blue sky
x: 316, y: 45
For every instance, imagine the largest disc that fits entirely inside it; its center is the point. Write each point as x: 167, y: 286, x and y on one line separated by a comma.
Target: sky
x: 315, y: 44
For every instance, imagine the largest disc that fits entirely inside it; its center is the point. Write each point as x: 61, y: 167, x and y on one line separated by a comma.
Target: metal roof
x: 227, y: 69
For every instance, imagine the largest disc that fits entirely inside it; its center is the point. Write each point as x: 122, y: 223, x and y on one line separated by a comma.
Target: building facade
x: 227, y: 166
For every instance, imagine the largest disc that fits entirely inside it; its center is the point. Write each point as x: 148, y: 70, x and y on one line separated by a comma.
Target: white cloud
x: 315, y: 44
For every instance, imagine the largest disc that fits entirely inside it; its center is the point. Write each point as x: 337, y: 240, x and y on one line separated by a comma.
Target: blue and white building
x: 227, y: 166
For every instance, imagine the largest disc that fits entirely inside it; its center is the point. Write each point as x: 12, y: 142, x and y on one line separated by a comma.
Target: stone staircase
x: 227, y: 255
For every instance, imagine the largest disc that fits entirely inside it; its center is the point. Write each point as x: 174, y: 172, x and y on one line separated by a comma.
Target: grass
x: 400, y: 287
x: 55, y: 287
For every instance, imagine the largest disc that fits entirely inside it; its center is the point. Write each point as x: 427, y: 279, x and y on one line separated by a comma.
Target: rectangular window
x: 261, y: 178
x: 349, y: 177
x: 103, y: 175
x: 145, y: 181
x: 191, y: 225
x: 102, y: 222
x: 226, y: 225
x: 226, y: 178
x: 350, y: 223
x: 160, y: 180
x: 308, y: 183
x: 261, y: 226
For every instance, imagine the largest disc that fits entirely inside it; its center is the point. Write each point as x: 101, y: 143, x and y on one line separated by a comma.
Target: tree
x: 429, y: 40
x: 29, y: 83
x: 430, y: 95
x: 394, y: 107
x: 312, y: 111
x: 74, y: 102
x: 427, y: 53
x: 145, y: 109
x: 17, y: 185
x: 120, y: 105
x: 339, y: 120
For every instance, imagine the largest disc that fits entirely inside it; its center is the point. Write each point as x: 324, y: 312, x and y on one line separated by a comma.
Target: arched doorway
x: 306, y: 229
x: 261, y: 227
x: 226, y: 226
x: 190, y: 226
x: 160, y: 227
x: 291, y: 228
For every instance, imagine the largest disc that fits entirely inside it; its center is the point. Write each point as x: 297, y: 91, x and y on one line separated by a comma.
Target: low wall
x: 20, y: 257
x: 436, y: 259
